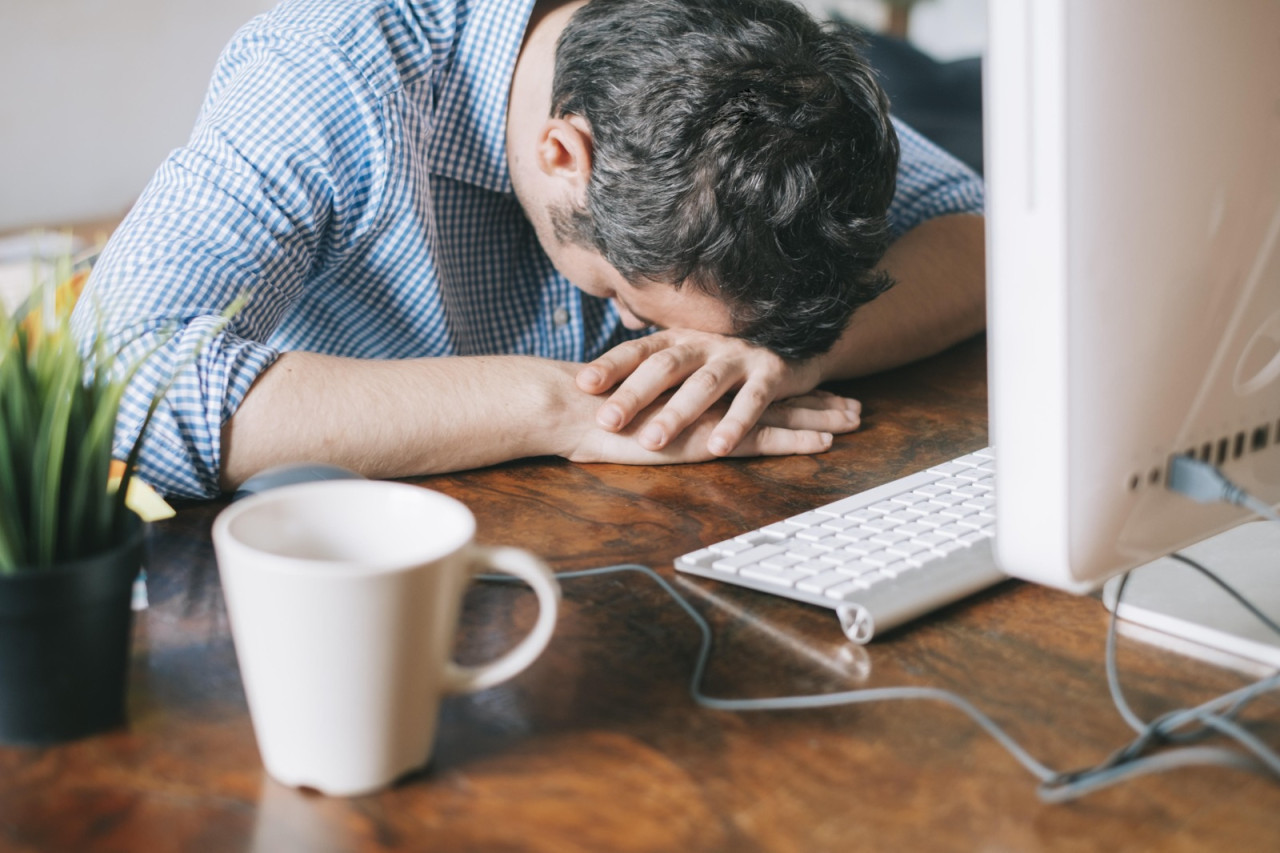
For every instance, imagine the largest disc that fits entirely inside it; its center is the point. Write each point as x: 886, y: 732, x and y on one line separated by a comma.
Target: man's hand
x: 706, y: 367
x: 938, y: 301
x: 803, y: 424
x: 402, y: 418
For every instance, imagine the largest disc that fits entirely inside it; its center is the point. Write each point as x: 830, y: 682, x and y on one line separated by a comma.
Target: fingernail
x: 591, y: 377
x: 718, y: 446
x: 653, y: 437
x: 826, y: 438
x: 609, y: 417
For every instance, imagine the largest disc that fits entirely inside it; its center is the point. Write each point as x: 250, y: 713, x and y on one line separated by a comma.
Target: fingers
x: 618, y: 363
x: 745, y: 410
x: 800, y: 425
x: 778, y: 441
x: 658, y: 367
x: 699, y: 372
x: 819, y: 411
x: 705, y: 387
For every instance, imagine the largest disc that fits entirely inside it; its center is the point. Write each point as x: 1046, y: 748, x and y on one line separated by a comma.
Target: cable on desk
x: 1216, y: 716
x: 1168, y: 732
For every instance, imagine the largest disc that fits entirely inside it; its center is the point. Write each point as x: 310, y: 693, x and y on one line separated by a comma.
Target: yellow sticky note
x: 141, y: 498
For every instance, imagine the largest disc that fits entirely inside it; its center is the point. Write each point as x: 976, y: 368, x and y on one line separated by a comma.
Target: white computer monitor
x: 1133, y: 168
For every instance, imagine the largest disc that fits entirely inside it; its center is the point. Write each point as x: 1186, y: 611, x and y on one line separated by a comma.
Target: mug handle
x: 522, y: 564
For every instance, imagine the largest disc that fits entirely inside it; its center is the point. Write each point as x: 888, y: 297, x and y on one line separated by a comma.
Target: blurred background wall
x: 94, y: 93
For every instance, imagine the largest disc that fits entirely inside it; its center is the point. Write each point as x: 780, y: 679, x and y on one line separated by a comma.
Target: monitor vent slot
x: 1217, y: 451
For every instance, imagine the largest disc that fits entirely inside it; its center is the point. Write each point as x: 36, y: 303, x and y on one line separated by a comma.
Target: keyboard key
x: 840, y: 507
x: 857, y: 568
x: 856, y: 534
x: 902, y: 517
x: 895, y: 570
x: 781, y: 528
x: 745, y: 558
x: 780, y: 561
x: 781, y: 577
x: 861, y: 582
x: 759, y: 537
x: 861, y: 515
x: 908, y: 548
x: 729, y: 546
x: 704, y: 557
x: 914, y: 529
x: 847, y: 591
x: 953, y: 467
x: 819, y: 584
x: 889, y: 537
x: 803, y: 550
x: 881, y: 548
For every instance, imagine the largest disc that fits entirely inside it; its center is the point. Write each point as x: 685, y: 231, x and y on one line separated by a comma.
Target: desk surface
x: 598, y: 747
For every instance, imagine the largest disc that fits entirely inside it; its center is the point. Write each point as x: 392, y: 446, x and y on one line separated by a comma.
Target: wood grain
x: 598, y: 747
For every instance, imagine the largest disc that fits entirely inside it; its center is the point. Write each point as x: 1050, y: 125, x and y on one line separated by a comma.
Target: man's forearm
x: 939, y: 300
x: 400, y: 418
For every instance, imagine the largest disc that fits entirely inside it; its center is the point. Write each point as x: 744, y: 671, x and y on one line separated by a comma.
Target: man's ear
x: 564, y: 152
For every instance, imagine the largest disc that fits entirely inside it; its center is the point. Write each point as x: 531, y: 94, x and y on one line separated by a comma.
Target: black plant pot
x: 64, y: 645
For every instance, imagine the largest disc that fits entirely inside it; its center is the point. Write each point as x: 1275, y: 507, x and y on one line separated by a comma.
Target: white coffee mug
x: 344, y: 597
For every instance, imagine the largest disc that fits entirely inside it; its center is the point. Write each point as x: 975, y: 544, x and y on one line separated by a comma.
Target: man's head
x: 738, y: 150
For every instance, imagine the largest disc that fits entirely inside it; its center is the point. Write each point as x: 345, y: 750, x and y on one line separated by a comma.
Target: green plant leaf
x: 59, y: 408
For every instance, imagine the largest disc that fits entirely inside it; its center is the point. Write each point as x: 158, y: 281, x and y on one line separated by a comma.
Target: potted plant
x: 70, y: 545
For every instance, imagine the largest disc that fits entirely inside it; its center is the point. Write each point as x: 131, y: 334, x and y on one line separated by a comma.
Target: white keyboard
x: 879, y: 558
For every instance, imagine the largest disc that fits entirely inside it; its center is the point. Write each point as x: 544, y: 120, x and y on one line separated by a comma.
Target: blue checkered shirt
x: 348, y: 169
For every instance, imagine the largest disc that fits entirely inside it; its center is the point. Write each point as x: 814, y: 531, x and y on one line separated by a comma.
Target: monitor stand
x: 1170, y: 604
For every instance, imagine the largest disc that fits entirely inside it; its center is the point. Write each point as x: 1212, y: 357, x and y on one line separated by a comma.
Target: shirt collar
x: 469, y: 137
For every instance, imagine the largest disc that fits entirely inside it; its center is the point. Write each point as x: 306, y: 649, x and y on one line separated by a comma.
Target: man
x: 523, y: 186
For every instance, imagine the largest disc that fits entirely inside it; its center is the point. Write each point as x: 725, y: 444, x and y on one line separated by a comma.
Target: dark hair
x: 739, y: 146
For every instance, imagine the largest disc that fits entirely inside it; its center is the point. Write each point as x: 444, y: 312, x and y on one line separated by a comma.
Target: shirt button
x: 560, y: 317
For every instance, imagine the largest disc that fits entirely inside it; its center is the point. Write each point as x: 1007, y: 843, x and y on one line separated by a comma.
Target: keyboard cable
x: 1170, y: 733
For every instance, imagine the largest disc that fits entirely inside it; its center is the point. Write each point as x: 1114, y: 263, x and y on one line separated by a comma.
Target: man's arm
x: 407, y: 417
x: 939, y: 300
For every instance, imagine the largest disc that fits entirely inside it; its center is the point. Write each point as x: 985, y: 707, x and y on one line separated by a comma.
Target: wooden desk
x: 598, y: 747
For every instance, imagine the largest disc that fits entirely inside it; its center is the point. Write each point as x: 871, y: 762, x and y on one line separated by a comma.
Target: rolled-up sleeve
x: 285, y: 158
x: 931, y: 183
